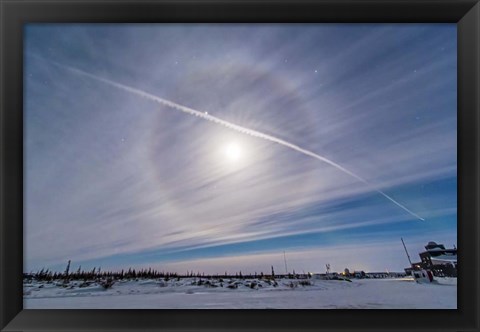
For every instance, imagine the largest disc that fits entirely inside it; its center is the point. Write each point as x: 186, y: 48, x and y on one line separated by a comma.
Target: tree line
x: 98, y: 274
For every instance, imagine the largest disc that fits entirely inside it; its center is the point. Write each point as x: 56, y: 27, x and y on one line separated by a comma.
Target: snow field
x: 247, y: 294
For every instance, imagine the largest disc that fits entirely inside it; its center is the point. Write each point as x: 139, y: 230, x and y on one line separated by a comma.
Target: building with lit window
x: 441, y: 261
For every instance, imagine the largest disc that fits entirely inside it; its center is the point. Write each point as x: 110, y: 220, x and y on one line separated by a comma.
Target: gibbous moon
x: 233, y: 151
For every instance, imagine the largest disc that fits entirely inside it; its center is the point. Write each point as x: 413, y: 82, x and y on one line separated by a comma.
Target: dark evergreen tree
x: 67, y: 269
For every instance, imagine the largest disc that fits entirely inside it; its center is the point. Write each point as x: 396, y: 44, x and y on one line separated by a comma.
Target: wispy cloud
x: 109, y: 173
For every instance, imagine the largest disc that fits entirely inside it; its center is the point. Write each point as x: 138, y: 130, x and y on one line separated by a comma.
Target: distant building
x: 377, y: 275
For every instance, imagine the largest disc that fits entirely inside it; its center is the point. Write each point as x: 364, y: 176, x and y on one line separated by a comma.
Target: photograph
x: 240, y: 166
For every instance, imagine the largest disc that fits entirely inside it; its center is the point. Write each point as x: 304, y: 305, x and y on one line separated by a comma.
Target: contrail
x: 254, y: 133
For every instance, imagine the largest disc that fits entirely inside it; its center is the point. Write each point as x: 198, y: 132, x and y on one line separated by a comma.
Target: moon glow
x: 233, y: 151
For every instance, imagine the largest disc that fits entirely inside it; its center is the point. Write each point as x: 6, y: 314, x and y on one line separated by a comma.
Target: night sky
x: 216, y: 148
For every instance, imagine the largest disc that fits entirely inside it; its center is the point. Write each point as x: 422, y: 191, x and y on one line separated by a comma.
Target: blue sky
x: 182, y: 146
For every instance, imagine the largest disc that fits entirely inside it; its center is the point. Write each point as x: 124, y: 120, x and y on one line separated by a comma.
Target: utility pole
x: 406, y: 251
x: 285, y: 259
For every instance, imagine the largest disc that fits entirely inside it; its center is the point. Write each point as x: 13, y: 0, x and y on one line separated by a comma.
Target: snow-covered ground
x: 287, y: 294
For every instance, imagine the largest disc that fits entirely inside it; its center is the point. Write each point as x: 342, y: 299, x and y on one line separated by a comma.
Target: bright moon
x: 233, y: 151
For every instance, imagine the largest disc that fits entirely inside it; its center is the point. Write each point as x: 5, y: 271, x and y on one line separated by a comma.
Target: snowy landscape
x: 231, y: 293
x: 311, y: 167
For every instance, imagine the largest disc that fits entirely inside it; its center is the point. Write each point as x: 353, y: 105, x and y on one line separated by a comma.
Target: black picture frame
x: 15, y: 13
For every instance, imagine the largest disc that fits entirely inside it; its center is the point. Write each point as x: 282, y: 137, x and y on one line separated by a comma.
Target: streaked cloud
x: 110, y: 174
